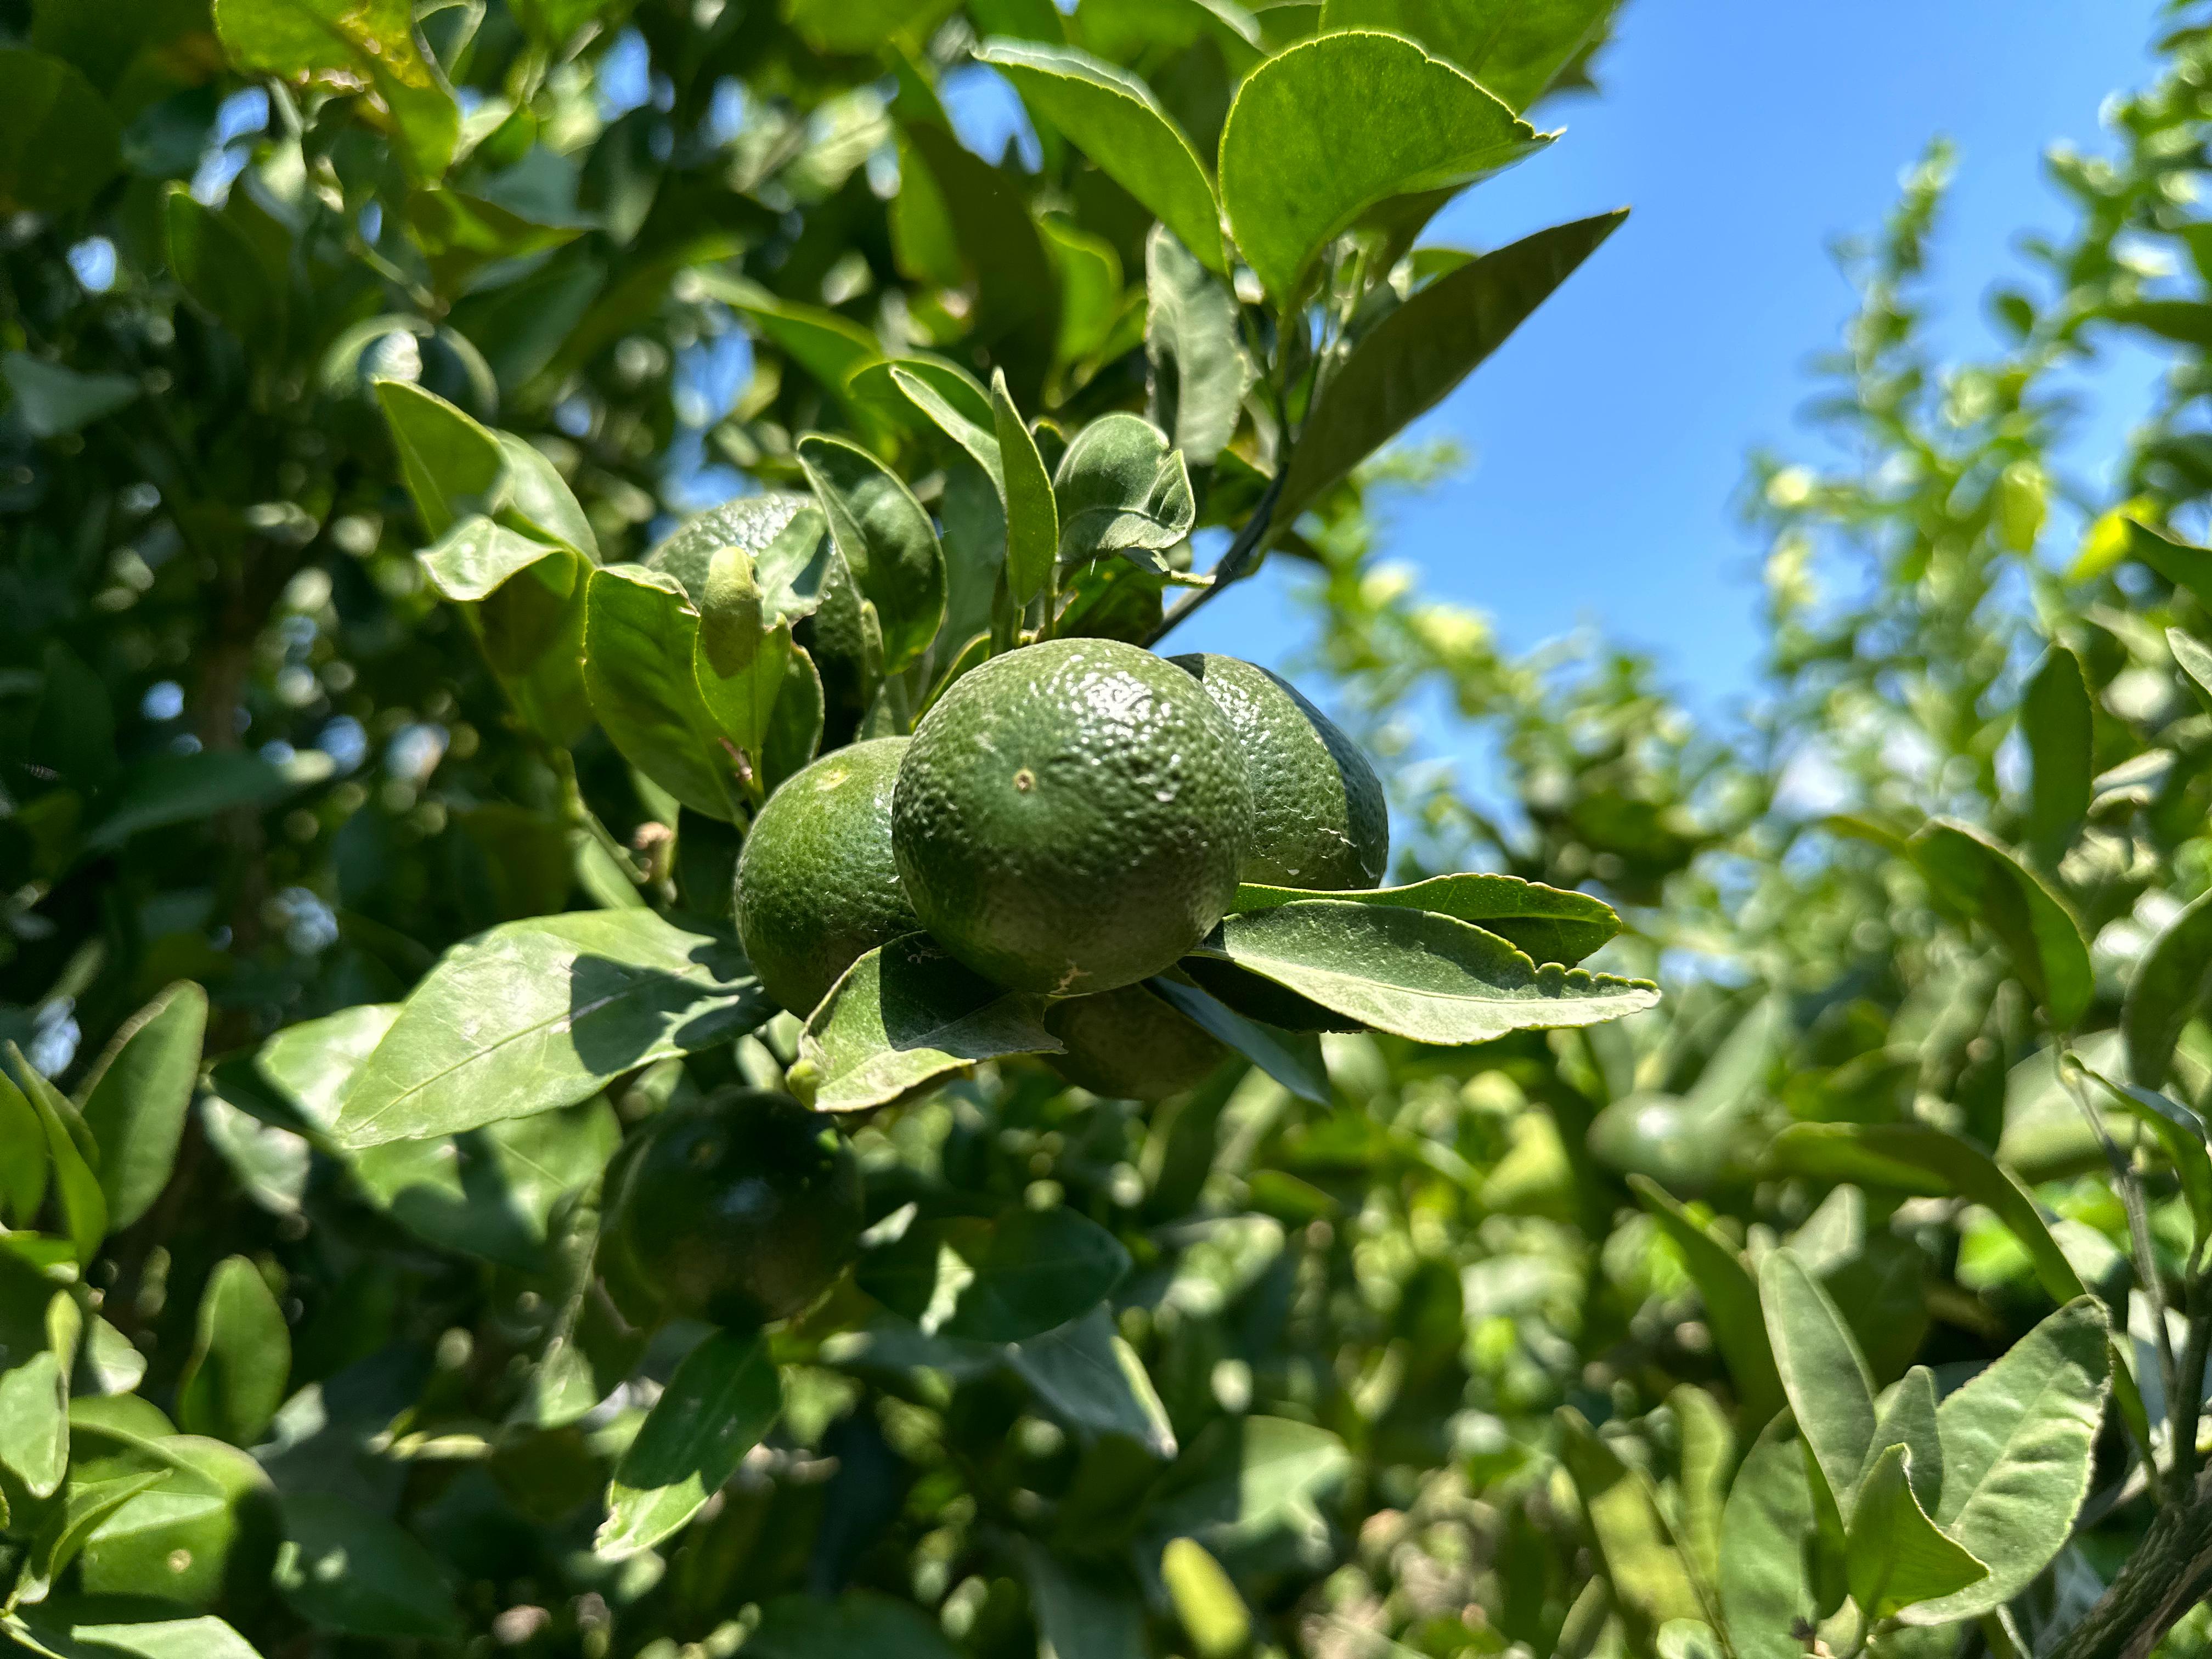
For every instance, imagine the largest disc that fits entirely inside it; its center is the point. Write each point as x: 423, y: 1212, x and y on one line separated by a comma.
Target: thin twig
x: 1235, y: 565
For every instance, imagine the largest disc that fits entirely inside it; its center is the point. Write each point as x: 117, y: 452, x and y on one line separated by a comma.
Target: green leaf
x: 1708, y: 1449
x: 1026, y: 493
x: 135, y: 1100
x: 454, y: 466
x: 1549, y: 923
x: 2056, y: 720
x: 722, y: 1399
x: 1822, y: 1371
x: 35, y: 1421
x: 863, y: 25
x: 1293, y: 1058
x: 51, y: 399
x: 887, y: 539
x: 795, y: 723
x: 942, y: 392
x: 165, y: 789
x: 1003, y: 1280
x: 210, y: 1524
x: 1766, y: 1586
x: 1086, y: 1376
x: 827, y: 345
x: 60, y: 142
x: 1325, y: 129
x: 1095, y: 314
x: 1649, y: 1573
x: 1973, y: 874
x: 2172, y: 981
x: 1731, y: 1298
x: 2183, y: 1134
x: 1895, y: 1556
x: 640, y: 638
x: 23, y: 1157
x: 1408, y: 362
x: 218, y: 264
x: 2019, y: 1442
x: 1252, y: 1479
x: 1080, y: 1616
x: 241, y: 1358
x: 347, y: 1570
x: 1205, y: 1601
x: 543, y: 1013
x: 270, y: 1164
x: 952, y: 414
x: 756, y: 524
x: 859, y: 1625
x: 2196, y: 661
x: 2188, y: 569
x: 1907, y: 1419
x: 1516, y: 48
x: 1198, y: 370
x: 1415, y: 974
x: 1121, y: 489
x: 1112, y: 117
x: 84, y: 1505
x: 83, y: 1205
x: 906, y: 1017
x: 205, y: 1637
x: 346, y: 44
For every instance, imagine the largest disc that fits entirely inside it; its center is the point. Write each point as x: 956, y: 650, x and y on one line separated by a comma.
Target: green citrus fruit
x: 1319, y: 819
x: 816, y: 886
x: 1127, y: 1044
x: 1071, y: 817
x: 740, y: 1209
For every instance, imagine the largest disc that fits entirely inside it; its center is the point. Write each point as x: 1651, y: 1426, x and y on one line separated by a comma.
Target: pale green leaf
x: 1120, y: 489
x: 1549, y: 923
x: 722, y: 1399
x: 1973, y: 874
x: 1766, y: 1587
x: 1648, y: 1571
x: 1822, y: 1371
x: 1895, y: 1557
x: 1197, y: 367
x: 2172, y: 981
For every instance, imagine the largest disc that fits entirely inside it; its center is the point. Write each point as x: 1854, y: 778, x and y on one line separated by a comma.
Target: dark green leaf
x: 1765, y: 1583
x: 1026, y: 493
x: 887, y: 539
x: 69, y: 1153
x: 1293, y: 1058
x: 1082, y: 1615
x: 2055, y: 718
x: 1731, y: 1298
x: 1324, y: 130
x: 51, y: 399
x: 344, y: 1570
x: 722, y: 1399
x: 1973, y: 874
x: 2183, y: 1134
x: 218, y: 264
x: 1113, y: 118
x: 1416, y: 974
x: 2187, y: 567
x: 23, y: 1157
x: 543, y: 1013
x: 1515, y: 47
x: 641, y: 637
x: 1121, y: 489
x: 165, y: 789
x: 241, y: 1358
x: 2172, y: 983
x: 1407, y: 363
x: 906, y: 1017
x: 1197, y: 367
x: 1086, y: 1376
x: 135, y: 1100
x: 859, y: 1625
x: 1005, y: 1280
x: 58, y: 140
x: 346, y: 43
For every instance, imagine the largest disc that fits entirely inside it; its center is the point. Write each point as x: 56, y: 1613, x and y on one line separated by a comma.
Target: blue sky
x: 1606, y: 441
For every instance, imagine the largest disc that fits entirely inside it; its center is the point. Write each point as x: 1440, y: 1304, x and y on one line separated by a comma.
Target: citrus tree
x: 592, y: 1075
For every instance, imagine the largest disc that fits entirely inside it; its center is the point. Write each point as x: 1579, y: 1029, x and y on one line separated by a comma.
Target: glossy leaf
x: 1731, y: 1298
x: 1549, y: 923
x: 1112, y: 117
x: 1516, y: 48
x: 2018, y: 1445
x: 1197, y: 368
x: 1323, y: 130
x: 2172, y: 983
x: 906, y: 1017
x: 887, y: 539
x: 241, y: 1358
x: 722, y: 1399
x: 1823, y: 1373
x: 344, y: 45
x: 1419, y: 975
x: 454, y: 466
x: 2055, y: 718
x: 1121, y: 489
x: 34, y: 1420
x: 1973, y: 873
x: 208, y: 1526
x: 1007, y: 1280
x: 349, y: 1571
x: 1766, y: 1584
x: 1293, y: 1058
x: 1086, y: 1376
x: 559, y: 1005
x: 83, y: 1205
x: 134, y: 1102
x: 1409, y: 361
x: 60, y: 142
x: 2183, y: 1134
x: 641, y: 639
x: 1896, y: 1556
x: 1026, y: 493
